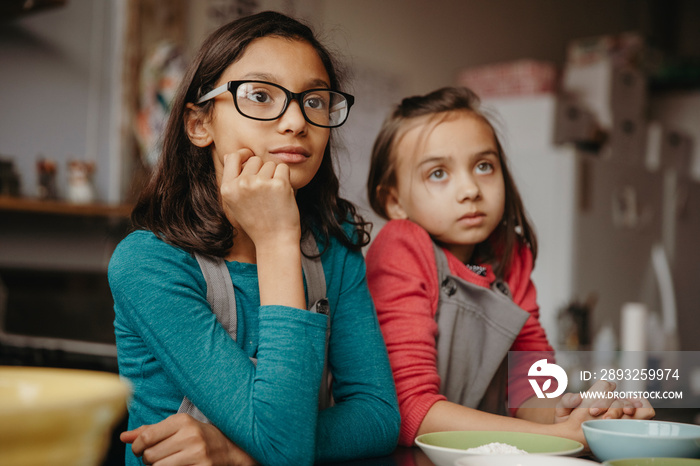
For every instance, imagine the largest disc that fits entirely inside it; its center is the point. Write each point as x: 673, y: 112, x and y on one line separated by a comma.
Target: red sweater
x: 402, y: 277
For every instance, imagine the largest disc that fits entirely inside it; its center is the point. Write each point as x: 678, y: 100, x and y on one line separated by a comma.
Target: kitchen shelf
x: 10, y: 9
x: 21, y: 204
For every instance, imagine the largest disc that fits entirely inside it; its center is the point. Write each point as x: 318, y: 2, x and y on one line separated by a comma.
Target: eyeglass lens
x: 267, y: 102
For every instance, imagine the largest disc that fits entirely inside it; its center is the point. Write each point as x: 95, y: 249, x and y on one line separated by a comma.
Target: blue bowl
x: 653, y: 462
x: 611, y: 439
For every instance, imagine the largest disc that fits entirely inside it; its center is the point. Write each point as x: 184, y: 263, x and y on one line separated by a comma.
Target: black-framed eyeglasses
x: 265, y: 101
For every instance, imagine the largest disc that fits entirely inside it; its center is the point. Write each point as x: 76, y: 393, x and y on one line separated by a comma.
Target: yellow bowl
x: 58, y: 416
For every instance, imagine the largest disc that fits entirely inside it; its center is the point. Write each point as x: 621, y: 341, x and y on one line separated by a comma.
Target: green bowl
x: 523, y: 460
x: 653, y: 462
x: 444, y: 448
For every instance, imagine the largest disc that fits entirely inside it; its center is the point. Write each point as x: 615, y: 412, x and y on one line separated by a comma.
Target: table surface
x: 402, y: 456
x: 414, y: 456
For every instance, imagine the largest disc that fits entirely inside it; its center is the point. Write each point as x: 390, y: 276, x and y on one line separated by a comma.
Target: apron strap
x: 443, y: 268
x: 222, y: 299
x: 476, y: 328
x: 220, y: 293
x: 318, y: 302
x: 313, y: 270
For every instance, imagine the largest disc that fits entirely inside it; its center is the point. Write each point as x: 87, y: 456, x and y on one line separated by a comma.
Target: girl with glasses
x: 246, y: 175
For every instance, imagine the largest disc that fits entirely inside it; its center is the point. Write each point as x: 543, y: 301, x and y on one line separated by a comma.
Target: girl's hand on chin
x: 259, y: 198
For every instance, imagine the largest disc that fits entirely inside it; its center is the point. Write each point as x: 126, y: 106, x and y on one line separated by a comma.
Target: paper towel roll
x: 633, y: 327
x: 633, y: 343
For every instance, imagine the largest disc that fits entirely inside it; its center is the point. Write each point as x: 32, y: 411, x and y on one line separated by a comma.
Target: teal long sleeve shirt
x: 170, y: 345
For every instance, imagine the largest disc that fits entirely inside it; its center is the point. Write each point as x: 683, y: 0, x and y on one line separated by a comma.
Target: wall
x: 59, y: 89
x: 427, y: 45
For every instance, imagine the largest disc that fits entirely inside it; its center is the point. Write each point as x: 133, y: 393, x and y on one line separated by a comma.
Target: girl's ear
x: 393, y: 206
x: 196, y: 126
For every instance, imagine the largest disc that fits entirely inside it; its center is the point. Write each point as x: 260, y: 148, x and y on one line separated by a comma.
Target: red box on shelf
x: 520, y: 77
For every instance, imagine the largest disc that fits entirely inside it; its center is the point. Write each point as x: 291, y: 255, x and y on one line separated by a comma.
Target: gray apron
x: 476, y: 328
x: 221, y: 297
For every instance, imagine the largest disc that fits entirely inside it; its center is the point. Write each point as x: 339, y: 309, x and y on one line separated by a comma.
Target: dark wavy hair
x: 515, y: 226
x: 181, y: 201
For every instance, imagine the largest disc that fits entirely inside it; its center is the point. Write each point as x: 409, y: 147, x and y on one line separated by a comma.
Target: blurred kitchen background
x: 597, y: 103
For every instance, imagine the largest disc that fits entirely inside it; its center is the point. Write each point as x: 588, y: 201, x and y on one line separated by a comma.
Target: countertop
x: 402, y: 456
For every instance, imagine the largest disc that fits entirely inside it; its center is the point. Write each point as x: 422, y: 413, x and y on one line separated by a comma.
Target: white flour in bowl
x: 496, y: 448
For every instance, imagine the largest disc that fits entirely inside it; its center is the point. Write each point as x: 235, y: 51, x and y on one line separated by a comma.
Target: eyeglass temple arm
x: 339, y: 106
x: 213, y: 93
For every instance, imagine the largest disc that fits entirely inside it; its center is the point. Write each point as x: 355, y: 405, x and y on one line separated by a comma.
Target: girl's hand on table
x: 636, y: 408
x: 613, y: 408
x: 182, y: 440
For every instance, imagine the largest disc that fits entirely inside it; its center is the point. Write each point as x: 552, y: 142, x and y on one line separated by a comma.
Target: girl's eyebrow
x: 312, y: 84
x: 320, y: 83
x: 447, y: 158
x: 487, y: 152
x: 435, y: 159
